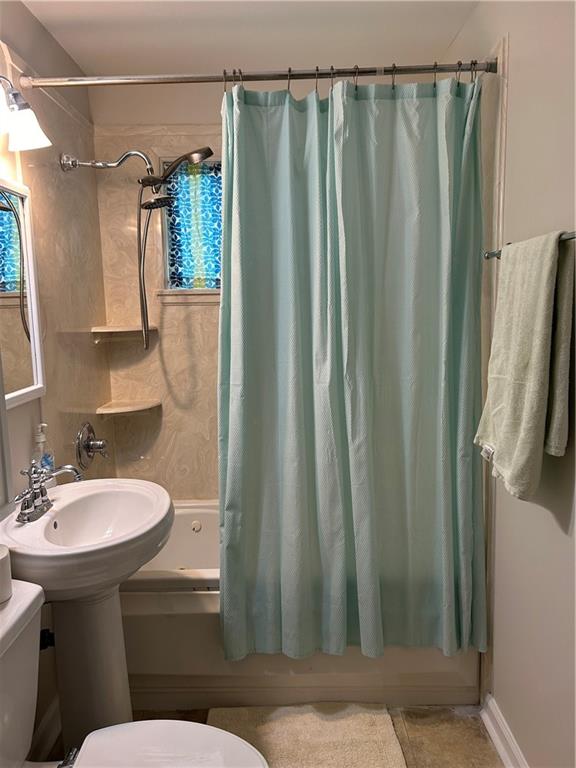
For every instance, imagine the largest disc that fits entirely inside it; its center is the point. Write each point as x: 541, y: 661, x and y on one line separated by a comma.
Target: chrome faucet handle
x: 35, y: 501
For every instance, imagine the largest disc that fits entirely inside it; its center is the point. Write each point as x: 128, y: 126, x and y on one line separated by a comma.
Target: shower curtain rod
x: 238, y: 76
x: 496, y: 254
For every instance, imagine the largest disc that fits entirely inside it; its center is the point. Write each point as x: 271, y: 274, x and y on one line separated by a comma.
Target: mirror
x: 20, y: 346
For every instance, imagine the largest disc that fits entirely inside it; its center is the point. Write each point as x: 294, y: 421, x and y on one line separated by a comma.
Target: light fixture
x: 23, y: 127
x: 4, y: 113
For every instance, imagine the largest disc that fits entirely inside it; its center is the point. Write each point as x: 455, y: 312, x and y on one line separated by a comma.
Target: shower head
x: 194, y: 157
x: 156, y: 201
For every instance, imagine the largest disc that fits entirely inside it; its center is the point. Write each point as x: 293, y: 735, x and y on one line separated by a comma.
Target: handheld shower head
x: 195, y: 157
x: 156, y: 201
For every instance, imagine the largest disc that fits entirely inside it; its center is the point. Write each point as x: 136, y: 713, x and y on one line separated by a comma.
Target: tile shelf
x: 107, y: 333
x: 114, y: 407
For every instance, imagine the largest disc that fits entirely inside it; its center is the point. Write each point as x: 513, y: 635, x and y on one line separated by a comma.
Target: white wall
x: 533, y: 673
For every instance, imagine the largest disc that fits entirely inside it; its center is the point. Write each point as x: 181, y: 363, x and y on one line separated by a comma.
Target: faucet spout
x: 68, y: 469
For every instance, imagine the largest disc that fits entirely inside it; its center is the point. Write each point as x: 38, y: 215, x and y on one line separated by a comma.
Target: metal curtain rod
x: 240, y: 76
x: 496, y: 254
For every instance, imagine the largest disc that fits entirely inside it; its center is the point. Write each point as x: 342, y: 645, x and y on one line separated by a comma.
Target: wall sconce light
x: 17, y: 118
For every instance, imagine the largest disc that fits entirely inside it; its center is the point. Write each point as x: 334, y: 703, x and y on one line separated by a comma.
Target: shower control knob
x: 87, y: 446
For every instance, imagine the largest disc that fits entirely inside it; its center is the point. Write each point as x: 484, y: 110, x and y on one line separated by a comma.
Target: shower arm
x: 70, y: 163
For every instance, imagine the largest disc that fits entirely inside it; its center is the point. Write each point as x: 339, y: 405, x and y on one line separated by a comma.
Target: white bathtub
x: 189, y: 562
x: 175, y: 658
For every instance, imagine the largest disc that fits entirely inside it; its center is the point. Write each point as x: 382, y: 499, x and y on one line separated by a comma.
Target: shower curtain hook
x: 288, y: 81
x: 356, y: 77
x: 241, y: 77
x: 331, y: 76
x: 435, y: 73
x: 316, y: 83
x: 458, y: 74
x: 473, y: 70
x: 234, y: 76
x: 393, y: 76
x: 224, y: 79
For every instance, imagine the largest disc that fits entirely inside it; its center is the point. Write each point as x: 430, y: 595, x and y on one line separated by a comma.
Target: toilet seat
x: 166, y: 744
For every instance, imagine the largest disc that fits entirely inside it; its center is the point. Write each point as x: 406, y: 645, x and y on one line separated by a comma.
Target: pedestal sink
x: 96, y: 535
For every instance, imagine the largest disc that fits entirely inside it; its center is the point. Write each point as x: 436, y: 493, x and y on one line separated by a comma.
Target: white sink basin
x: 97, y: 534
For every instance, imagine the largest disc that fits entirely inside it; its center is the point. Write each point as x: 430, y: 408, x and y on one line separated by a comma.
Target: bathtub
x: 175, y: 659
x: 185, y: 575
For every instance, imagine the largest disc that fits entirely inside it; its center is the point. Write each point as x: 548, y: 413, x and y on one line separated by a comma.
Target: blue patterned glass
x: 194, y: 226
x: 9, y: 249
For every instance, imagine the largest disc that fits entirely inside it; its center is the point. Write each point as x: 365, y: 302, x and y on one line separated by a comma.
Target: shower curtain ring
x: 435, y: 73
x: 224, y: 79
x: 331, y: 76
x: 393, y: 76
x: 241, y: 77
x: 356, y: 77
x: 288, y: 81
x: 458, y: 74
x: 234, y: 76
x: 316, y: 83
x: 473, y: 70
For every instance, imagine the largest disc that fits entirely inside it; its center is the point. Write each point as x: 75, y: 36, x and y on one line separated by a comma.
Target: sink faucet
x: 67, y: 469
x: 34, y: 499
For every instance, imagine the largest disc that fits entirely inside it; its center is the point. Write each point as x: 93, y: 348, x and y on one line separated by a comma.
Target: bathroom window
x: 193, y: 227
x: 9, y: 249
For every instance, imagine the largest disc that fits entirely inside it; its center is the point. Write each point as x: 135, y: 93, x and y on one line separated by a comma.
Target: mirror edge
x: 38, y: 389
x: 5, y: 470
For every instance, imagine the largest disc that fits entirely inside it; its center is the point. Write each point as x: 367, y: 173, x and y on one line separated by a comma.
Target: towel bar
x: 498, y: 253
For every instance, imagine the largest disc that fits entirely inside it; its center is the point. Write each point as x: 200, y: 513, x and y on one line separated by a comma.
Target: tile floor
x: 431, y: 737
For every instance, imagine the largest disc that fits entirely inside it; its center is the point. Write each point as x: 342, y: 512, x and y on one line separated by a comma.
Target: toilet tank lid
x: 17, y: 612
x: 166, y: 744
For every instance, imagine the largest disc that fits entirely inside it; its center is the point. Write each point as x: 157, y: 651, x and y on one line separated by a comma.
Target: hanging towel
x: 526, y: 409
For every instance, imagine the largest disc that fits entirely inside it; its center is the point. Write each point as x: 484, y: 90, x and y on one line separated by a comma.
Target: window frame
x: 166, y: 290
x: 37, y: 389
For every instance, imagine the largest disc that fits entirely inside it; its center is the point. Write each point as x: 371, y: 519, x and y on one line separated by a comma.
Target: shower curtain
x: 350, y: 490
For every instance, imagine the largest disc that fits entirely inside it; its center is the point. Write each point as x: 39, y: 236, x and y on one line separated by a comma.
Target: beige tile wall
x: 66, y: 237
x: 176, y: 445
x: 66, y: 241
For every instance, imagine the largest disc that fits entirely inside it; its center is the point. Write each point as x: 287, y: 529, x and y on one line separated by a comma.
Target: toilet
x: 161, y: 743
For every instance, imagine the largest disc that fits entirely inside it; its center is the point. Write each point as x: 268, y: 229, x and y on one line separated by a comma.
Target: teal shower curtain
x: 350, y: 489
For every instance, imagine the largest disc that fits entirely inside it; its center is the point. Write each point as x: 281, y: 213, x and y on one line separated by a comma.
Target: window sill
x: 182, y: 296
x: 10, y: 299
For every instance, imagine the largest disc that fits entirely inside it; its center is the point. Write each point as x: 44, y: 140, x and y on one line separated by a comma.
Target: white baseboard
x: 46, y: 733
x: 501, y: 735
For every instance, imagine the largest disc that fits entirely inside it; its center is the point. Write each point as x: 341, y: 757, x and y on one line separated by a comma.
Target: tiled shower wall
x: 175, y: 445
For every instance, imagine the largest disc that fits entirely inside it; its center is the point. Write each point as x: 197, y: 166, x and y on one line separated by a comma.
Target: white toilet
x: 162, y: 743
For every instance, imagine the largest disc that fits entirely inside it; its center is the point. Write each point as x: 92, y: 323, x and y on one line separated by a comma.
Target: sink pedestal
x: 91, y: 665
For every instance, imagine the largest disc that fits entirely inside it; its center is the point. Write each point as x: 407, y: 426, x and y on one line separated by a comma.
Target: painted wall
x: 533, y: 578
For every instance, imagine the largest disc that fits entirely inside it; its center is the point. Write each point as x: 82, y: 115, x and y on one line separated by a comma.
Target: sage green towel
x: 526, y: 409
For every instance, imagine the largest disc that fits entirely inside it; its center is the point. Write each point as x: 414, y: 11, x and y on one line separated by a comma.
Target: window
x: 9, y: 248
x: 193, y: 227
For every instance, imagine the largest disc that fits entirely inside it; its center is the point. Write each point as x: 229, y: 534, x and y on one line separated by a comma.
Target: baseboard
x: 501, y: 735
x: 47, y: 732
x: 169, y: 697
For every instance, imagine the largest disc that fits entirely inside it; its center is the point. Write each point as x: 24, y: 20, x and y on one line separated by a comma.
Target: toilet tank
x: 19, y: 656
